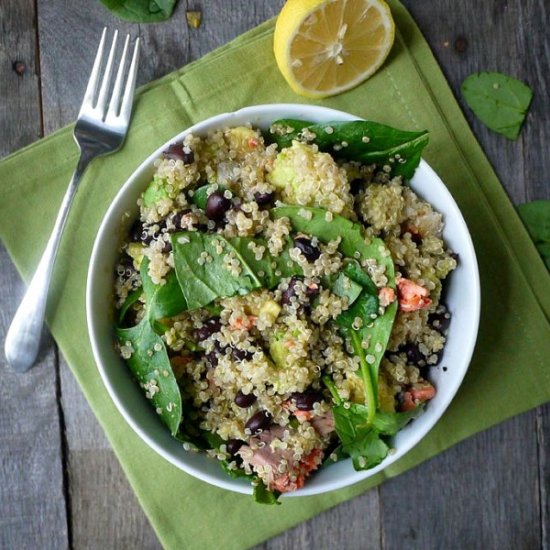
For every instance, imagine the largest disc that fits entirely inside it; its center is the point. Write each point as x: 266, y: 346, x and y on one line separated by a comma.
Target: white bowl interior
x: 462, y: 298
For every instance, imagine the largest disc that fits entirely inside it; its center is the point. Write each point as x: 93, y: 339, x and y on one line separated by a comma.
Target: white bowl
x: 463, y: 300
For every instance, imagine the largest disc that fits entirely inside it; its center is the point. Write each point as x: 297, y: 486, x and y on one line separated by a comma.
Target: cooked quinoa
x: 262, y: 361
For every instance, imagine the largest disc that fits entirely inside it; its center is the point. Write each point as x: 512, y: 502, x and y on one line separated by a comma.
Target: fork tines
x: 95, y: 103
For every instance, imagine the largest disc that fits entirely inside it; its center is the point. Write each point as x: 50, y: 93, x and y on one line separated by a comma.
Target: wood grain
x: 20, y: 121
x: 500, y: 496
x: 32, y: 503
x: 480, y: 494
x: 32, y: 500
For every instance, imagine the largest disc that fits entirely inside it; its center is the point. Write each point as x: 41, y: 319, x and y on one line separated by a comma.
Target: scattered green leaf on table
x: 141, y: 11
x: 150, y: 365
x: 368, y: 142
x: 498, y: 100
x: 536, y: 217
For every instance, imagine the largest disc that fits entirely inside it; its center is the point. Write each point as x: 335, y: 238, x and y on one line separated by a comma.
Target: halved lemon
x: 324, y: 47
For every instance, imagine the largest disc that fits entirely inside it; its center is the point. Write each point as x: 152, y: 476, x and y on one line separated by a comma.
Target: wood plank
x: 223, y: 20
x: 32, y: 501
x: 482, y: 493
x: 104, y: 509
x: 463, y: 45
x: 543, y: 439
x: 352, y: 524
x: 20, y: 104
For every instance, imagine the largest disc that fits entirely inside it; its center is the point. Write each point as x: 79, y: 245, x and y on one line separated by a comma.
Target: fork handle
x: 23, y: 337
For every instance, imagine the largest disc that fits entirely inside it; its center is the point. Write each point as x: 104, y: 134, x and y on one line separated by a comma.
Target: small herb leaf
x: 141, y: 11
x: 498, y: 100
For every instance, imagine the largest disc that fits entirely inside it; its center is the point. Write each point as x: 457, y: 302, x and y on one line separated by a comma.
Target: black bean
x: 416, y: 239
x: 217, y: 205
x: 176, y: 151
x: 167, y: 247
x: 212, y: 359
x: 244, y: 400
x: 312, y: 290
x: 440, y: 320
x: 263, y: 199
x: 290, y: 292
x: 241, y: 354
x: 310, y: 251
x: 136, y: 231
x: 209, y: 327
x: 305, y: 400
x: 260, y: 421
x: 414, y: 355
x: 233, y: 446
x: 356, y: 185
x: 177, y: 217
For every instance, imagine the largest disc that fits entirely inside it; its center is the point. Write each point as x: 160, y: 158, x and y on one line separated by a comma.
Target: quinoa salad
x: 279, y: 299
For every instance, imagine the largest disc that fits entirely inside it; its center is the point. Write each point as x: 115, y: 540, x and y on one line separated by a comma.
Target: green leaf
x: 498, y: 100
x: 233, y: 473
x: 201, y: 283
x: 141, y: 11
x: 367, y: 142
x: 341, y: 285
x: 270, y: 269
x: 359, y: 439
x: 263, y: 496
x: 149, y: 362
x: 131, y: 299
x: 389, y: 423
x: 536, y: 217
x: 164, y: 300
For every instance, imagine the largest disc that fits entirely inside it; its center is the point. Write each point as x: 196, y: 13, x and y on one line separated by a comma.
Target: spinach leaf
x: 359, y: 439
x: 131, y: 299
x: 356, y: 273
x: 161, y: 300
x: 363, y: 308
x: 389, y: 423
x: 343, y: 286
x: 498, y: 100
x: 270, y: 269
x: 375, y: 333
x: 367, y: 142
x: 263, y: 496
x: 202, y: 273
x: 141, y: 11
x: 233, y: 473
x: 536, y: 217
x: 150, y: 365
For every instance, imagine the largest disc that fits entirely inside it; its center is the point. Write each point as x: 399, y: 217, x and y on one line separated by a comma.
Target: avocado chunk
x: 155, y: 191
x: 279, y: 351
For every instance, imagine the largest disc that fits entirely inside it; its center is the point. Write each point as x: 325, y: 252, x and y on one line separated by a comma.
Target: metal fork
x: 100, y: 129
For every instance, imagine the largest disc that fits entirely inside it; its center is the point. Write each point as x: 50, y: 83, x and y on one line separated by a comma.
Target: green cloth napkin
x: 509, y: 373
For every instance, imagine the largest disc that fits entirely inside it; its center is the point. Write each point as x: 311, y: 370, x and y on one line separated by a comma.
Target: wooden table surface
x: 60, y: 483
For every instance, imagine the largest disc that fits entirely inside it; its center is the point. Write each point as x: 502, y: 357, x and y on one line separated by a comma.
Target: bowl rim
x: 313, y: 112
